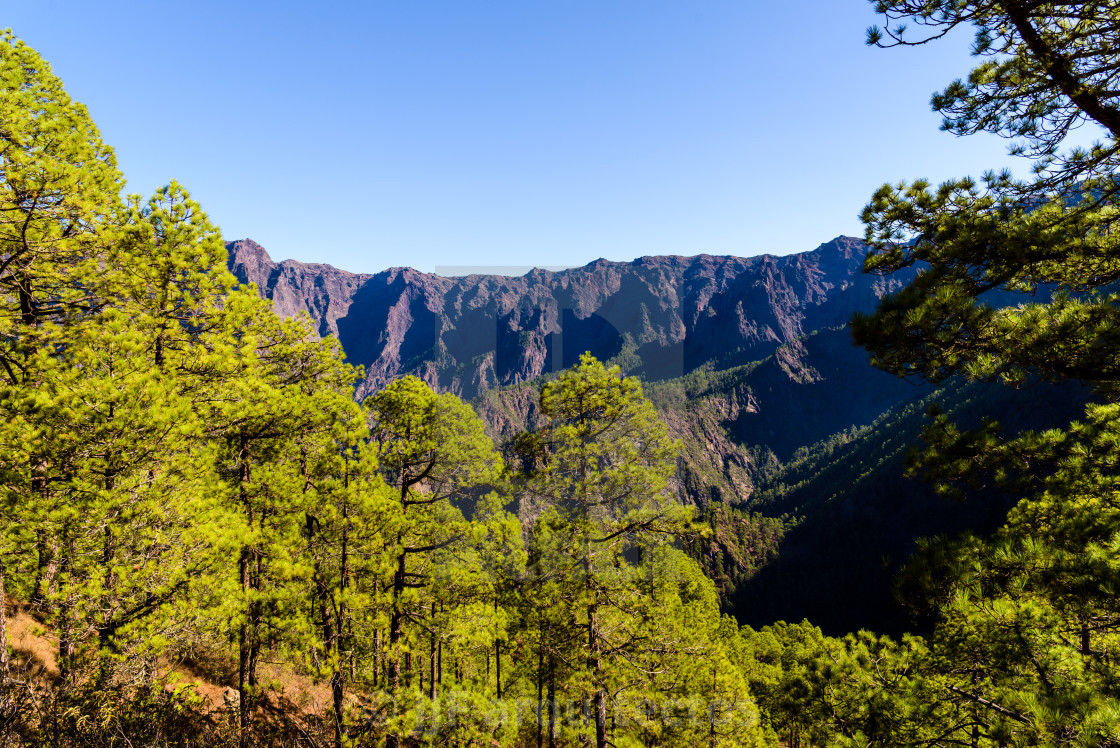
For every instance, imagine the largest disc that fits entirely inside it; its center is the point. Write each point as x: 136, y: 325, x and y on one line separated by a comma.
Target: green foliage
x: 860, y: 690
x: 1017, y: 287
x: 58, y: 195
x: 1043, y: 73
x: 738, y: 545
x: 611, y: 602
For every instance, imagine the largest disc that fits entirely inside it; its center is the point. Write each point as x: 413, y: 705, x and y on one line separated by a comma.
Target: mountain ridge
x: 669, y: 314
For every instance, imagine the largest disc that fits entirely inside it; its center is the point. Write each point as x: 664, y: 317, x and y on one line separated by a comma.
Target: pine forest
x: 218, y: 527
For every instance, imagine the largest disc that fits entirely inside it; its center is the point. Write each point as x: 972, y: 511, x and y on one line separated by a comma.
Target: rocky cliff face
x: 323, y: 291
x: 661, y: 317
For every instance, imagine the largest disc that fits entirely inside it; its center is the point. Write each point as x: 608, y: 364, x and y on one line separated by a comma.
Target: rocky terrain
x: 662, y: 317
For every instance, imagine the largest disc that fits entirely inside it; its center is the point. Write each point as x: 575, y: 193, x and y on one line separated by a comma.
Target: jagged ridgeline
x: 205, y: 539
x: 660, y: 317
x: 215, y: 531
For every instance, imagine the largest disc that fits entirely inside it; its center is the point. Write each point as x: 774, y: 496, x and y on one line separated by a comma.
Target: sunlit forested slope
x: 193, y: 498
x: 215, y: 530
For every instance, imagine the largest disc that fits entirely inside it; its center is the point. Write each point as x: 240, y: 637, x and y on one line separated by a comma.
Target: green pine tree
x: 620, y: 596
x: 433, y: 452
x: 1018, y: 285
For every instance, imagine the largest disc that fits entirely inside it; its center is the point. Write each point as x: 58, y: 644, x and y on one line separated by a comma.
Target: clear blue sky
x: 536, y: 132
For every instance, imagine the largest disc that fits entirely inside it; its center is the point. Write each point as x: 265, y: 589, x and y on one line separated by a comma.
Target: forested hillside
x: 855, y: 518
x: 194, y: 498
x: 217, y: 528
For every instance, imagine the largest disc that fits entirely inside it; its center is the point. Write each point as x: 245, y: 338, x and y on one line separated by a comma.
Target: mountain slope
x: 792, y: 444
x: 856, y: 517
x: 668, y: 315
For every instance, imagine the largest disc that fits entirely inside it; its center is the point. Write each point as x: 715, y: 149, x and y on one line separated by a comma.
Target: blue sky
x: 522, y: 132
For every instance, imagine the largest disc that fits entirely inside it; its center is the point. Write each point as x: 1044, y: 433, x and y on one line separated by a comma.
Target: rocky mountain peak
x: 663, y: 316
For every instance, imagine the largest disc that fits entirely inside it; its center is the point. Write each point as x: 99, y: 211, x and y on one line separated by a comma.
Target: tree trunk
x: 594, y: 661
x: 107, y: 627
x: 497, y: 658
x: 257, y: 608
x: 43, y: 557
x: 396, y: 624
x: 65, y: 626
x: 540, y: 687
x: 600, y: 705
x: 396, y: 627
x: 343, y: 582
x: 329, y: 637
x: 4, y: 666
x: 243, y: 648
x: 245, y: 661
x: 551, y: 703
x: 26, y: 301
x: 712, y: 741
x: 378, y: 676
x: 46, y: 547
x: 434, y: 667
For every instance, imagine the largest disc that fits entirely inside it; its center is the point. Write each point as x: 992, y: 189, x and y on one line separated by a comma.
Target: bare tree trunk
x: 594, y: 661
x: 43, y: 558
x: 540, y: 687
x: 244, y: 711
x: 329, y: 632
x: 65, y: 626
x: 4, y: 665
x: 377, y: 674
x: 712, y: 740
x: 497, y: 657
x: 432, y: 655
x: 245, y: 661
x: 551, y: 702
x: 599, y: 701
x: 396, y: 624
x: 46, y: 547
x: 976, y: 725
x: 258, y: 608
x: 336, y: 697
x: 343, y: 583
x: 107, y: 627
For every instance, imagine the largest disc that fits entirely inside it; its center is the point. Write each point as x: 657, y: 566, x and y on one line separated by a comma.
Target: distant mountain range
x: 667, y: 315
x: 748, y: 361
